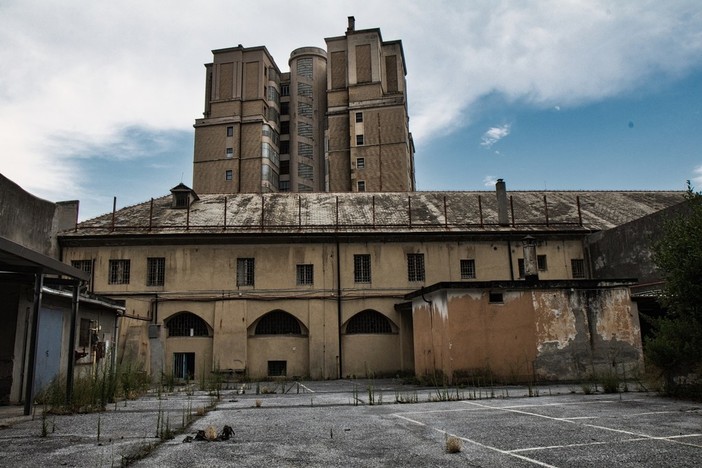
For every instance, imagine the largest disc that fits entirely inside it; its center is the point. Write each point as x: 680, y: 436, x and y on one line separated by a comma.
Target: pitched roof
x: 382, y: 213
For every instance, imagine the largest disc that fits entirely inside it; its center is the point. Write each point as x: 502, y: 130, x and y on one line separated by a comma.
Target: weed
x: 453, y: 444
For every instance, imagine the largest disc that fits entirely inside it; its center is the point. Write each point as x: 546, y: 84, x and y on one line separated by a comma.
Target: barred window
x: 119, y: 272
x: 186, y: 324
x: 86, y: 266
x: 228, y: 174
x: 359, y: 117
x: 415, y: 267
x: 360, y: 163
x: 577, y: 266
x: 468, y: 268
x: 244, y: 271
x: 277, y: 368
x: 361, y: 184
x: 305, y: 274
x: 361, y: 268
x: 155, y: 271
x: 359, y: 140
x: 278, y: 322
x: 368, y: 321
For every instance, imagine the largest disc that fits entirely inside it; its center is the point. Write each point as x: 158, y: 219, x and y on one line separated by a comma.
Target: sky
x: 98, y: 99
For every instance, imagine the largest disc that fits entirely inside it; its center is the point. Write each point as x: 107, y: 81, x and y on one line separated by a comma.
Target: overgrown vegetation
x: 676, y: 346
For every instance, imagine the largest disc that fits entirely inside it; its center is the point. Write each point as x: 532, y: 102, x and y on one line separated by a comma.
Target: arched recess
x: 277, y: 322
x: 278, y: 346
x: 371, y: 345
x: 188, y: 346
x: 369, y: 321
x: 187, y: 324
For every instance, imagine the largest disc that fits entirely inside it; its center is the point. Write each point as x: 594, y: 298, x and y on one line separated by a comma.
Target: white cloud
x: 489, y: 181
x: 79, y: 72
x: 697, y: 177
x: 493, y: 135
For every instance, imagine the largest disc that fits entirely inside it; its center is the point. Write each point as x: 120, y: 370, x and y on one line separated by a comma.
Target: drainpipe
x: 338, y: 305
x: 72, y: 342
x: 29, y: 397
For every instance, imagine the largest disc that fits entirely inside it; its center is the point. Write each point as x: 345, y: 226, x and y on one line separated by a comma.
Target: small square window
x: 361, y: 268
x: 244, y: 271
x: 359, y: 117
x: 359, y: 140
x: 305, y: 274
x: 496, y: 298
x: 415, y: 267
x: 277, y: 368
x: 228, y: 174
x: 468, y: 268
x: 230, y: 131
x: 155, y: 271
x: 119, y: 272
x: 577, y: 266
x: 361, y: 185
x: 230, y: 152
x: 360, y: 163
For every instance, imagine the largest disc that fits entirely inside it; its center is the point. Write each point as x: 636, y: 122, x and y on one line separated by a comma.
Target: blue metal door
x: 48, y: 347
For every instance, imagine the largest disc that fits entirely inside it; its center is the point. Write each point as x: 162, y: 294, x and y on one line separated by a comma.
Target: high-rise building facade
x: 337, y: 121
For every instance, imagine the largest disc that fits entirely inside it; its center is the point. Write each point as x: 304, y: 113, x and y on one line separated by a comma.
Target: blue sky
x: 98, y: 99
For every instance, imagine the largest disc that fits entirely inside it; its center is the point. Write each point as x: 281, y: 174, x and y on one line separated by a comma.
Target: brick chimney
x: 502, y: 213
x: 352, y: 24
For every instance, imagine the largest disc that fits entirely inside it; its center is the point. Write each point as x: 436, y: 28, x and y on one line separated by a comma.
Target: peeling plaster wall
x: 547, y: 334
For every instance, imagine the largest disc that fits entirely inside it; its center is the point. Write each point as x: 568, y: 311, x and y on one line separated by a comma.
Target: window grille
x: 361, y: 184
x: 305, y: 274
x: 244, y: 271
x: 155, y: 271
x: 86, y: 266
x: 186, y: 324
x: 119, y: 272
x: 278, y: 322
x: 468, y: 268
x: 368, y: 321
x: 415, y: 267
x: 184, y: 366
x: 359, y: 140
x: 577, y: 266
x: 361, y: 268
x: 360, y: 163
x: 359, y: 117
x: 277, y: 368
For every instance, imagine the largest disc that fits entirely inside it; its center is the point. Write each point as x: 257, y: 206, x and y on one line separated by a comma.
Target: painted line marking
x: 475, y: 442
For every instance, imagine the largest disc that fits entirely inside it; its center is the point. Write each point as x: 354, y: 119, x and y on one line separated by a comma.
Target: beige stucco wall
x: 201, y: 279
x: 549, y: 333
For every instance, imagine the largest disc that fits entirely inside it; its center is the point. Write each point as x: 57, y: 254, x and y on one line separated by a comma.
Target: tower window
x: 468, y: 268
x: 305, y: 274
x: 360, y: 163
x: 155, y: 271
x: 359, y: 117
x: 230, y: 152
x: 244, y: 271
x: 359, y: 140
x: 230, y: 131
x: 361, y: 184
x: 228, y: 174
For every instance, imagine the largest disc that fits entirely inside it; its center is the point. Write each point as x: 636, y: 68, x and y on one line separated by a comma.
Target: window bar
x: 151, y: 214
x: 445, y: 213
x: 480, y: 210
x: 225, y: 213
x: 114, y: 208
x: 546, y: 210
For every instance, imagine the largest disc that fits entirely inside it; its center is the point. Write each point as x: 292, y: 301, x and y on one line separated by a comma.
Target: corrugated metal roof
x: 382, y: 212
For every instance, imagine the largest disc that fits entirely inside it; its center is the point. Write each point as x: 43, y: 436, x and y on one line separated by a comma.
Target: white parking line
x: 475, y: 442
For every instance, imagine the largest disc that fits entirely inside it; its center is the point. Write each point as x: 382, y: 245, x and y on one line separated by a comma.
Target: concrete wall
x: 31, y: 221
x: 541, y: 333
x: 610, y: 260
